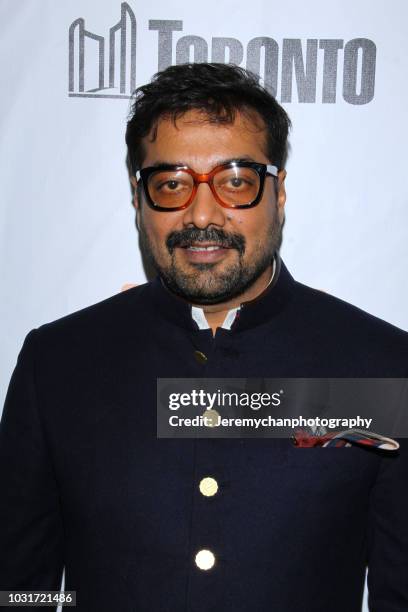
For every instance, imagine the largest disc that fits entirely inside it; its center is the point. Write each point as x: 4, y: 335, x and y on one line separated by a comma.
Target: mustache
x: 185, y: 238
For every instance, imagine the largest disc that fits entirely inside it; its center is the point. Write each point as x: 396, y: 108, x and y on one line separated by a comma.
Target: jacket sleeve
x: 387, y: 578
x: 31, y: 532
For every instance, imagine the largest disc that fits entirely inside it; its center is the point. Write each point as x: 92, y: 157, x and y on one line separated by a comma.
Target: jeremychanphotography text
x: 205, y: 420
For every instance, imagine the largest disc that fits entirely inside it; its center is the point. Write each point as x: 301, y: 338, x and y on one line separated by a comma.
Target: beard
x: 204, y: 284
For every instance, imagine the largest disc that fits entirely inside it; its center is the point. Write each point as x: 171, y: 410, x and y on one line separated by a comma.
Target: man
x: 148, y: 524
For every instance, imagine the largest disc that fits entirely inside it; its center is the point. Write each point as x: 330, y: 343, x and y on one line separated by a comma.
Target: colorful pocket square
x: 338, y: 439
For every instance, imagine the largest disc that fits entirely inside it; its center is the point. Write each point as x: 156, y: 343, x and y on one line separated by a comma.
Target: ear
x: 281, y: 201
x: 136, y: 202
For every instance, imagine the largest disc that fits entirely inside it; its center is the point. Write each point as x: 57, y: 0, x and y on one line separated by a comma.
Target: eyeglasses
x: 238, y: 184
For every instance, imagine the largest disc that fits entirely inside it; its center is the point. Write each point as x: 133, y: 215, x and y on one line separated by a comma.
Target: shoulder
x: 332, y: 320
x: 109, y: 317
x: 336, y: 310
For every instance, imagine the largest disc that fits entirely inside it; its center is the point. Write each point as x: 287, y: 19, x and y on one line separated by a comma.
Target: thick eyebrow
x: 218, y: 162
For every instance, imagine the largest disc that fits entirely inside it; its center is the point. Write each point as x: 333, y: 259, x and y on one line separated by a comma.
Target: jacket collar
x: 251, y: 314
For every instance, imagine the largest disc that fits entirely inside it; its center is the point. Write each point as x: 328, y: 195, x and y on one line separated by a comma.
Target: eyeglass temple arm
x: 272, y: 170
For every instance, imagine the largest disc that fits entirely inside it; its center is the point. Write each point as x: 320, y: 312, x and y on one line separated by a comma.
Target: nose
x: 204, y: 209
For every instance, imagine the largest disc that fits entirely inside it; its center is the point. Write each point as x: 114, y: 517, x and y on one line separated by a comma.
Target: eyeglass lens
x: 233, y: 186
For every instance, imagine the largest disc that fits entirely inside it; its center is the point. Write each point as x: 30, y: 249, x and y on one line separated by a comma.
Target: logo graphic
x: 306, y: 71
x: 121, y: 71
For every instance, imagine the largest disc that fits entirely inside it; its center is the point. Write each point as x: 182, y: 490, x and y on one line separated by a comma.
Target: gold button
x: 204, y: 559
x: 201, y: 358
x: 208, y: 486
x: 211, y: 418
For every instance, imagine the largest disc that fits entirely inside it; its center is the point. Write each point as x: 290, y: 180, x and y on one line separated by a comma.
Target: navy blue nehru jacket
x: 86, y: 484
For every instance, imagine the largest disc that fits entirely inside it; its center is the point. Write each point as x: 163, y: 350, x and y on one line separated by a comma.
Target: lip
x: 206, y: 244
x: 204, y: 256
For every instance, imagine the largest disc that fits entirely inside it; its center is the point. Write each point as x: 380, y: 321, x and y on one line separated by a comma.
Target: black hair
x: 219, y: 91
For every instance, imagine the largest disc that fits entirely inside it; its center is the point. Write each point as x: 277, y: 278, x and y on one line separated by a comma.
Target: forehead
x: 199, y: 142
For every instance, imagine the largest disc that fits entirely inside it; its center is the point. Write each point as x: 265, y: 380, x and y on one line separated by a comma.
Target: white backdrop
x: 67, y: 224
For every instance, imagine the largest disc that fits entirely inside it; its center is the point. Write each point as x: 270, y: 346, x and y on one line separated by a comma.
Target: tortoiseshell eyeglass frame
x: 262, y: 169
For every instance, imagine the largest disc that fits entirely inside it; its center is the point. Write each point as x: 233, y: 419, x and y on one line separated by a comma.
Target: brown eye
x: 172, y: 185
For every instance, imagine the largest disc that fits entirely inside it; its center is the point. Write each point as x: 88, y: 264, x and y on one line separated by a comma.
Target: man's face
x: 250, y: 236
